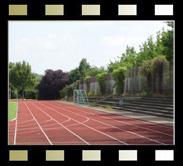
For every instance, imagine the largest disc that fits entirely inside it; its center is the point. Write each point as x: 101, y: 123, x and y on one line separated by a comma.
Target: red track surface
x: 54, y: 123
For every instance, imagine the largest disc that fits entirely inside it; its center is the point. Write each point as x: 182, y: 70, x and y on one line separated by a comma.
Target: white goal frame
x: 80, y: 97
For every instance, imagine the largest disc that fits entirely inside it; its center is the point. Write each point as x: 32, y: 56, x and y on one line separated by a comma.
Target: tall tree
x: 147, y: 51
x: 80, y: 72
x: 11, y: 65
x: 167, y: 41
x: 51, y: 83
x: 93, y: 71
x: 84, y: 66
x: 20, y: 76
x: 74, y: 75
x: 128, y: 60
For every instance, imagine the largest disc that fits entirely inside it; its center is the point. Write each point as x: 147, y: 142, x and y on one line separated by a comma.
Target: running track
x: 55, y: 123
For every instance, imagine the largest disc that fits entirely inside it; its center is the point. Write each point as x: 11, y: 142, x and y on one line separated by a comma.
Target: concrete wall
x: 134, y: 82
x: 91, y: 84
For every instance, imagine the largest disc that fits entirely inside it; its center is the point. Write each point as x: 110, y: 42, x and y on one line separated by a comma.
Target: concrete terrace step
x: 150, y: 109
x: 150, y: 113
x: 156, y: 99
x: 153, y: 101
x: 114, y: 107
x: 166, y: 107
x: 157, y: 106
x: 154, y: 104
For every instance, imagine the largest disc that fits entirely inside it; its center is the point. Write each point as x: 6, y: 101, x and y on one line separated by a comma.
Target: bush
x: 157, y: 66
x: 108, y: 107
x: 77, y: 84
x: 93, y: 104
x: 101, y: 78
x: 146, y: 68
x: 146, y: 71
x: 119, y: 77
x: 31, y: 94
x: 90, y: 93
x: 67, y: 91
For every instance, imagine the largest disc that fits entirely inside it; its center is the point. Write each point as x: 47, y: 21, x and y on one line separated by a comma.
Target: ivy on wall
x: 157, y: 66
x: 101, y: 78
x: 153, y: 71
x: 146, y: 71
x: 119, y: 77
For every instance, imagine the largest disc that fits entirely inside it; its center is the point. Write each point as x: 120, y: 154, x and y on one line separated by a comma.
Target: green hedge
x: 101, y: 78
x: 119, y: 77
x: 67, y: 91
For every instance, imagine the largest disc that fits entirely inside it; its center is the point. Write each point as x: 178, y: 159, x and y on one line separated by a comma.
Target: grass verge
x: 12, y: 110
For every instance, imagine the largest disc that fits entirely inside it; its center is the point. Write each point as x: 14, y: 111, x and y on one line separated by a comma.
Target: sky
x: 62, y: 44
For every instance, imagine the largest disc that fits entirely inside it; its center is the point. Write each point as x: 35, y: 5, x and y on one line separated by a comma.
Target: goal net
x: 80, y: 97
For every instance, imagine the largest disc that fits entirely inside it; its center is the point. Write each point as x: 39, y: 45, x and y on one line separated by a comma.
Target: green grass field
x: 12, y: 110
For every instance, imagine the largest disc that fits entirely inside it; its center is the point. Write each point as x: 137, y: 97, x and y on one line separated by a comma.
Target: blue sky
x: 62, y: 44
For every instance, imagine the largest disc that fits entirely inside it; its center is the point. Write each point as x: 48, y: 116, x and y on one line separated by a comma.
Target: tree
x: 51, y: 83
x: 20, y: 76
x: 128, y: 60
x: 167, y: 42
x: 93, y: 71
x: 147, y: 51
x: 84, y: 67
x: 74, y: 75
x: 11, y: 65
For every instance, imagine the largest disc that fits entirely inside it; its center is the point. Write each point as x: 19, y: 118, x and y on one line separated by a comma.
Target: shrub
x: 157, y: 66
x: 67, y: 91
x: 146, y: 71
x: 108, y: 107
x: 31, y: 94
x: 90, y: 93
x: 101, y: 78
x: 87, y: 82
x: 93, y: 104
x: 119, y: 77
x: 77, y: 84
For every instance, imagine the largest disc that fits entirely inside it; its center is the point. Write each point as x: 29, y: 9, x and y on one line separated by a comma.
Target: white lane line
x: 62, y: 125
x: 24, y: 126
x: 55, y: 143
x: 27, y: 121
x: 43, y: 126
x: 113, y: 126
x: 88, y: 126
x: 15, y: 134
x: 123, y: 122
x: 36, y: 130
x: 39, y: 125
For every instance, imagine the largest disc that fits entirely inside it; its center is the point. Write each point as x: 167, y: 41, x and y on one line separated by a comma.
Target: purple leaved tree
x: 51, y: 83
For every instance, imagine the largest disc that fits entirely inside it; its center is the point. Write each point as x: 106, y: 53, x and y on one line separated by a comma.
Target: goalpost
x: 80, y: 97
